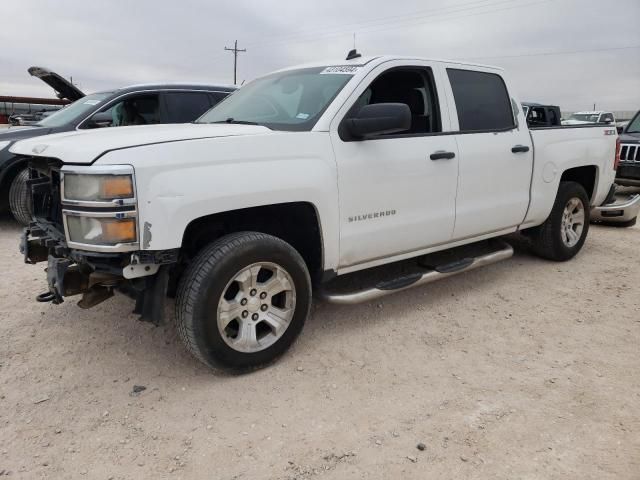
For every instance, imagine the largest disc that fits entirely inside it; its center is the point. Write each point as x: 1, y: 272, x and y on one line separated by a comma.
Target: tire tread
x: 19, y: 201
x: 545, y: 240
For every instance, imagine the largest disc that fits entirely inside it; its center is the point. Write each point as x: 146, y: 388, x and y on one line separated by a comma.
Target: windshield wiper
x: 237, y: 122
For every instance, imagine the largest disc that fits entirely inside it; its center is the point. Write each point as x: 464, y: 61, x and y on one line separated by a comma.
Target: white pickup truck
x: 295, y: 181
x: 584, y: 118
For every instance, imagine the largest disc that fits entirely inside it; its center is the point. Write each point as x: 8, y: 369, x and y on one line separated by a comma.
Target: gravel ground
x: 521, y: 370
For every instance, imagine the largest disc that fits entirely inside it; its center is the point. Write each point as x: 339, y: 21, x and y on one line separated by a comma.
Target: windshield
x: 634, y: 125
x: 585, y: 117
x: 79, y: 108
x: 291, y: 100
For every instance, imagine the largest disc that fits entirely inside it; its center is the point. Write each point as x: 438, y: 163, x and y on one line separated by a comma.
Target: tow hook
x: 46, y: 297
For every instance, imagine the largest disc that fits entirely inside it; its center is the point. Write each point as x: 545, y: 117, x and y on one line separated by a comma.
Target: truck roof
x: 373, y: 61
x: 179, y: 86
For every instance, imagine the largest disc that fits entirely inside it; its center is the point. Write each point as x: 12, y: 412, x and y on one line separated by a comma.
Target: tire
x: 220, y: 278
x: 20, y: 199
x: 551, y: 239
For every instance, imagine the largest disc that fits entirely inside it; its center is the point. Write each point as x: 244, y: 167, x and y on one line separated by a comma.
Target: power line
x: 413, y: 19
x: 418, y: 21
x: 386, y: 23
x: 235, y: 51
x: 544, y: 54
x: 322, y: 31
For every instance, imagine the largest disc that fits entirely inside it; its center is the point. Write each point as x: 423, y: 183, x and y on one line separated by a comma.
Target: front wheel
x: 563, y: 234
x: 243, y: 301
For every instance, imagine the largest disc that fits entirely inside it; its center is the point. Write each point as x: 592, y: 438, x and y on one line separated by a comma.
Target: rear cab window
x: 482, y: 101
x: 606, y: 117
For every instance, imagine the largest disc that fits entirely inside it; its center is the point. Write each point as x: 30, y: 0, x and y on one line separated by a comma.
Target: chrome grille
x: 630, y: 153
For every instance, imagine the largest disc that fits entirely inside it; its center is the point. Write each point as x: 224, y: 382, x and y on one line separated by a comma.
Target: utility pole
x: 235, y: 51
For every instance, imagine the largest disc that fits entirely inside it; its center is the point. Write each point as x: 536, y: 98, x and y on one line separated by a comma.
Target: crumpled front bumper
x: 68, y: 273
x: 143, y: 276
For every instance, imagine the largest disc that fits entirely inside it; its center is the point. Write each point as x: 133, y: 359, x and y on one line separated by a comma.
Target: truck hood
x: 18, y: 133
x: 84, y: 147
x: 64, y: 88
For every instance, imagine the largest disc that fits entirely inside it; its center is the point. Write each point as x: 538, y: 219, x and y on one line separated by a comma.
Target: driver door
x: 396, y: 197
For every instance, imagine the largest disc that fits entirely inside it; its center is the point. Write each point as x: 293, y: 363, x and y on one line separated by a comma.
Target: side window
x: 185, y: 107
x: 482, y: 100
x: 217, y: 97
x: 133, y: 110
x: 412, y: 86
x: 553, y: 117
x: 537, y: 117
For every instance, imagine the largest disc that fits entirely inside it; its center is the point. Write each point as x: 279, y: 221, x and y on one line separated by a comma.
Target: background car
x: 629, y: 168
x: 22, y: 119
x: 134, y: 105
x: 584, y: 118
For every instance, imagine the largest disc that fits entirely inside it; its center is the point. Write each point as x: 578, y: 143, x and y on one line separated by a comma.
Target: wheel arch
x: 297, y: 223
x: 586, y: 175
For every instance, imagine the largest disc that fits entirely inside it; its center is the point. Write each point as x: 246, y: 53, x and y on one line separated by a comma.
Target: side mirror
x: 620, y: 130
x: 379, y: 119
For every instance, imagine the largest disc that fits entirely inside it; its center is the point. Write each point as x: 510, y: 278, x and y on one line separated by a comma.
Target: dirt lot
x: 522, y: 370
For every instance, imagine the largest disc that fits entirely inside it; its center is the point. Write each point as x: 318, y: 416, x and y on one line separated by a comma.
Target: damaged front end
x: 88, y: 235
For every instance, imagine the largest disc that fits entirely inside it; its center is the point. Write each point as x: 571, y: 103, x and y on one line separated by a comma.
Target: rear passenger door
x: 185, y: 107
x: 495, y: 153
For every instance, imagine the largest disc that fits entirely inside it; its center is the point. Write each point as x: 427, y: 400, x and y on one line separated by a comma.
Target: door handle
x: 442, y: 155
x: 520, y: 149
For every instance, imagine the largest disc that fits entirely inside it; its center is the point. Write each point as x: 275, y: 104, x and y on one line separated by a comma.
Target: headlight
x: 97, y: 188
x: 100, y: 230
x: 99, y: 208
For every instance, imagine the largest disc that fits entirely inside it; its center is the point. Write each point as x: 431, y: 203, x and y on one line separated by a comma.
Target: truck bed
x: 558, y: 149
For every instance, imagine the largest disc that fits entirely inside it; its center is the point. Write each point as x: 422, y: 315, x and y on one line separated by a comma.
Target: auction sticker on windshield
x: 343, y: 69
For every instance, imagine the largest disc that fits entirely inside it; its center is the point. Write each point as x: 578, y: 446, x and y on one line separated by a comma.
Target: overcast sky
x: 569, y: 52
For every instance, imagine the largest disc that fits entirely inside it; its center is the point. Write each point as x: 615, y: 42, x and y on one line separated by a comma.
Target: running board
x: 416, y: 279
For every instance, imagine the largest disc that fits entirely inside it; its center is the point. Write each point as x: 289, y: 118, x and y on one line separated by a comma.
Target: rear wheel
x: 19, y: 198
x: 243, y: 301
x: 563, y: 234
